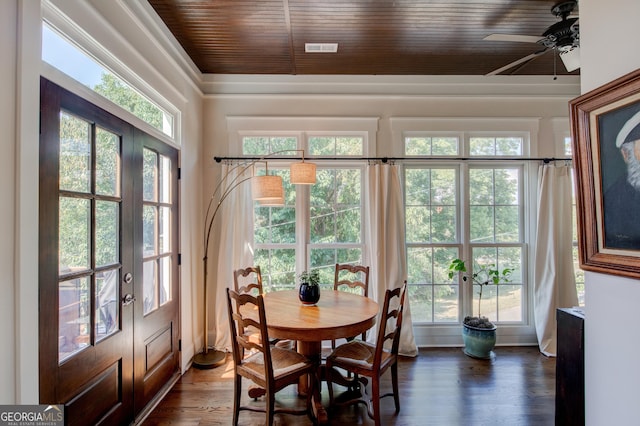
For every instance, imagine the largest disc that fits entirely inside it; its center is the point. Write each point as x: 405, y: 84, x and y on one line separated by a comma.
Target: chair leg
x: 310, y: 392
x: 237, y: 389
x: 328, y: 369
x: 394, y: 383
x: 270, y: 408
x: 375, y: 401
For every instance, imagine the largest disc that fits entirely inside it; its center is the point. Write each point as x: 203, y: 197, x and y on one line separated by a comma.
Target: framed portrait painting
x: 605, y: 131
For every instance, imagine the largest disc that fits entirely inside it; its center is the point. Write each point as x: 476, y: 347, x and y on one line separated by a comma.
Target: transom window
x: 64, y: 55
x: 336, y: 145
x: 431, y: 145
x: 263, y: 145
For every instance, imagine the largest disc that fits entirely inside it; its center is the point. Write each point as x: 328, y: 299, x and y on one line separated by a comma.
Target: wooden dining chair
x: 253, y: 274
x: 270, y: 367
x: 353, y: 278
x: 254, y: 287
x: 372, y: 361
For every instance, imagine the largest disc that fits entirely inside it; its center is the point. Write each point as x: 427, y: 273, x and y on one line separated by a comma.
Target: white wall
x: 609, y: 50
x: 8, y: 36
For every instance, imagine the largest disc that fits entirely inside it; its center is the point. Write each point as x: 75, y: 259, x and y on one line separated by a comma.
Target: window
x: 467, y: 209
x: 156, y: 225
x: 89, y: 250
x: 275, y: 239
x: 431, y: 200
x: 579, y: 273
x: 327, y: 215
x: 339, y: 146
x: 335, y: 218
x: 73, y: 61
x: 431, y: 145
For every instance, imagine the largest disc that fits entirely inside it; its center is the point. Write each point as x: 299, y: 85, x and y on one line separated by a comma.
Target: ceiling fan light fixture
x: 571, y: 58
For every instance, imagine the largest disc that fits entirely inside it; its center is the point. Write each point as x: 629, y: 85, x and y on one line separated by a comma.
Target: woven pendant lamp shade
x: 267, y: 188
x: 303, y: 173
x: 272, y: 203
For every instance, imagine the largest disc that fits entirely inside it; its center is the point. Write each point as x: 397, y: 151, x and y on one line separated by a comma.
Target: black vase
x: 309, y: 294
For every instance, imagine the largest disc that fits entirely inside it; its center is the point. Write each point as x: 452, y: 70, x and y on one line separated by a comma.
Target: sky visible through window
x: 69, y: 59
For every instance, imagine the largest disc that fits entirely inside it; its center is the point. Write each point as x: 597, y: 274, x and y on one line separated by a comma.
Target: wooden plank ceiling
x: 383, y: 37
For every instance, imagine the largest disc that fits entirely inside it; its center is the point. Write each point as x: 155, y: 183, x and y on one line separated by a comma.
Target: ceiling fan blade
x: 518, y: 62
x: 513, y: 37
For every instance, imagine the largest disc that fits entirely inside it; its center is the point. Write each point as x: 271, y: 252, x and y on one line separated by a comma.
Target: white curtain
x: 235, y: 247
x: 384, y: 224
x: 554, y: 281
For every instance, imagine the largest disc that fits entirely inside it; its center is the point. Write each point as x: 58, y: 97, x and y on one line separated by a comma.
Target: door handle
x: 128, y: 299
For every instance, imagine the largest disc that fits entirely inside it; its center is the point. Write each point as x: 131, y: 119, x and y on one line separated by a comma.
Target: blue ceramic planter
x: 309, y: 294
x: 478, y: 342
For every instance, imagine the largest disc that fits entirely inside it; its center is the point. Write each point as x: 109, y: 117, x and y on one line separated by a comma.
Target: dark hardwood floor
x: 441, y: 386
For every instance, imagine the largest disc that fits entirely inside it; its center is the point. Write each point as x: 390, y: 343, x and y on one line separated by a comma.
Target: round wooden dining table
x: 337, y: 314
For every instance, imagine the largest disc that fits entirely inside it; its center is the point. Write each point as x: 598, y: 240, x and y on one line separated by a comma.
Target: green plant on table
x: 311, y: 278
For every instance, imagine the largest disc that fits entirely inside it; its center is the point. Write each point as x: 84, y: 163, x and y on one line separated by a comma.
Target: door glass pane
x: 107, y: 296
x: 73, y: 317
x: 150, y: 175
x: 149, y: 220
x: 164, y: 230
x: 150, y: 278
x: 165, y: 280
x: 107, y: 233
x: 165, y: 179
x: 75, y: 153
x: 75, y: 227
x: 107, y: 163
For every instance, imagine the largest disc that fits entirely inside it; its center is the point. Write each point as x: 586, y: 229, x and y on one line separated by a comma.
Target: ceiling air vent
x: 321, y: 47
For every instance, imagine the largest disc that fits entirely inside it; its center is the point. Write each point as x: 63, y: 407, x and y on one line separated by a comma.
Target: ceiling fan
x: 563, y: 36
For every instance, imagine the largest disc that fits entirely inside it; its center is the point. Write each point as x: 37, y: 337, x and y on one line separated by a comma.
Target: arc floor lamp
x: 268, y: 191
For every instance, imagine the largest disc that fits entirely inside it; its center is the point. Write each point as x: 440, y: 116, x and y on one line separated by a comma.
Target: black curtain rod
x: 387, y: 159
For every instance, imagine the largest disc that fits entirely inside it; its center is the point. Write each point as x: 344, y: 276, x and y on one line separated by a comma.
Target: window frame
x: 303, y: 245
x: 463, y: 167
x: 77, y: 37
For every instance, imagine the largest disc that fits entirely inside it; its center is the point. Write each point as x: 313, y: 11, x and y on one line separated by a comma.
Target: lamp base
x: 210, y: 359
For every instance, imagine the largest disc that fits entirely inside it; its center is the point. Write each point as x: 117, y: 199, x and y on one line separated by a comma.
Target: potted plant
x: 478, y: 332
x: 309, y: 291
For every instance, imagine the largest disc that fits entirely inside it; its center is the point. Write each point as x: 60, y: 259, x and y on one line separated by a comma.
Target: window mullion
x: 464, y: 232
x: 303, y: 227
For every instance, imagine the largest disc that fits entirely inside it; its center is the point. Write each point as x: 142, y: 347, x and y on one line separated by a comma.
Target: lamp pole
x: 213, y: 358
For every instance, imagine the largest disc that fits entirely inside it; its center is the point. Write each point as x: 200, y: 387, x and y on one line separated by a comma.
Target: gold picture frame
x: 608, y: 223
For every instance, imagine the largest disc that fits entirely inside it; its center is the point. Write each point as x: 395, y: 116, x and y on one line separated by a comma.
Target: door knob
x: 128, y: 299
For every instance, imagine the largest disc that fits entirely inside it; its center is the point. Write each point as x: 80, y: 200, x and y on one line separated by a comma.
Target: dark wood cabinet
x: 570, y: 368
